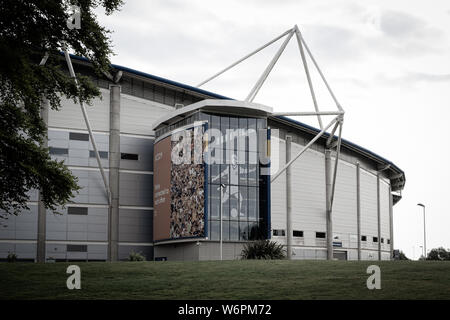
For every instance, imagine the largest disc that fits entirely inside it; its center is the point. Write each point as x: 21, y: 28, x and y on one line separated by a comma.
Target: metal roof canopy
x: 336, y: 123
x: 215, y: 105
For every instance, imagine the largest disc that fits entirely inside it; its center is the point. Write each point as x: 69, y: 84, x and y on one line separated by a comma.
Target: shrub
x: 439, y: 254
x: 12, y: 257
x: 263, y: 249
x: 136, y: 256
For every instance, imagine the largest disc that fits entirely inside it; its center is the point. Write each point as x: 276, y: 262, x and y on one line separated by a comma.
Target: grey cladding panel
x: 142, y: 147
x: 93, y: 189
x: 90, y: 227
x: 136, y: 189
x: 76, y: 151
x: 20, y: 227
x: 136, y: 225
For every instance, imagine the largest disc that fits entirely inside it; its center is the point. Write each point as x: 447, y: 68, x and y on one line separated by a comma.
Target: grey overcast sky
x: 388, y: 62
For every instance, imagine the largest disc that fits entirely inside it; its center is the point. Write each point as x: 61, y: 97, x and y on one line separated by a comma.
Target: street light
x: 424, y: 231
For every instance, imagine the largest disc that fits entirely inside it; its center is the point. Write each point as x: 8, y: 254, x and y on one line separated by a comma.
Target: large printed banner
x: 179, y: 186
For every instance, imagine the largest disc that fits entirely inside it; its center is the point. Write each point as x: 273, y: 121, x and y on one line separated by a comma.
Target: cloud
x: 410, y: 79
x: 429, y: 77
x: 404, y: 27
x: 334, y: 43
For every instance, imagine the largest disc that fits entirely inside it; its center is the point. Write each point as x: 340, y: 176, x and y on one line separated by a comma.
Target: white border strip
x: 135, y: 208
x: 141, y: 244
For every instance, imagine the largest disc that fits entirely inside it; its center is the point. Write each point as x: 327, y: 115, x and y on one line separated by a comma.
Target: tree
x: 438, y: 254
x: 402, y: 256
x: 28, y: 31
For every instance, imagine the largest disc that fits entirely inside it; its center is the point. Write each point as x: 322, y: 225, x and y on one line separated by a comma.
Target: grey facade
x: 88, y: 229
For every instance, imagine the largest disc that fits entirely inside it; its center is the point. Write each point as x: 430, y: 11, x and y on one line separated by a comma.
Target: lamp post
x: 222, y: 188
x: 424, y: 231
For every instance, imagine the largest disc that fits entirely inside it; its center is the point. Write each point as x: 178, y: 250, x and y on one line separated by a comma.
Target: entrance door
x: 340, y: 255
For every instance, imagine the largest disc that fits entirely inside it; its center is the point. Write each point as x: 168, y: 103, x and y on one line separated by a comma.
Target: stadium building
x: 175, y: 213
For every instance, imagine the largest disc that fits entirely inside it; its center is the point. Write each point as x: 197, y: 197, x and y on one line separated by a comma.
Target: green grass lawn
x: 227, y: 280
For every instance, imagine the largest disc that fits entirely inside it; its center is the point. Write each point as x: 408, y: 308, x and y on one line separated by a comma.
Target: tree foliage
x: 439, y: 254
x: 28, y: 31
x: 402, y: 256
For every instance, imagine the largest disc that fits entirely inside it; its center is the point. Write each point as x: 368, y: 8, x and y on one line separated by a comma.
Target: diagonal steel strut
x: 244, y: 58
x: 304, y: 149
x: 338, y: 151
x: 88, y: 125
x: 308, y: 76
x: 269, y: 68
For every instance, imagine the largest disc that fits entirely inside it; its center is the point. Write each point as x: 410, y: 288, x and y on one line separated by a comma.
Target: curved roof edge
x: 216, y: 105
x: 160, y: 79
x: 346, y: 143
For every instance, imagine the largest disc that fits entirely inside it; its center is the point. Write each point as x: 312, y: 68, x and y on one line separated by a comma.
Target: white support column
x: 358, y: 207
x: 329, y: 220
x: 391, y: 224
x: 288, y: 199
x: 42, y: 212
x: 379, y: 216
x: 114, y: 165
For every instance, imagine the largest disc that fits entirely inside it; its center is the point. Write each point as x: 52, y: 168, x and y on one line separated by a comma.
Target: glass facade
x: 236, y: 190
x: 235, y: 187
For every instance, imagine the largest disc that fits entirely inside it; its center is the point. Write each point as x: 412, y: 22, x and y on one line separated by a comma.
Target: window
x: 388, y: 241
x: 252, y: 204
x: 375, y: 239
x: 102, y: 154
x: 79, y: 136
x: 279, y: 232
x: 321, y: 235
x: 225, y: 202
x: 234, y: 230
x: 243, y: 203
x: 363, y: 238
x: 234, y: 203
x: 214, y: 231
x: 214, y: 202
x: 59, y: 151
x: 129, y: 156
x: 234, y: 187
x: 243, y: 230
x: 82, y: 211
x: 298, y: 233
x: 76, y: 248
x: 382, y: 240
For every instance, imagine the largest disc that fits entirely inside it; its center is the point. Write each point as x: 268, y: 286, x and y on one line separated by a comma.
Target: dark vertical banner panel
x: 180, y: 192
x: 161, y: 194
